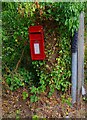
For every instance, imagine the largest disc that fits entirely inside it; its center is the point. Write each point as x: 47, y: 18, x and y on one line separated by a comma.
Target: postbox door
x: 37, y: 51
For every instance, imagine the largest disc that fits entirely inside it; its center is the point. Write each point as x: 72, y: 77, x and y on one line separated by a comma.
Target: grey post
x: 80, y: 55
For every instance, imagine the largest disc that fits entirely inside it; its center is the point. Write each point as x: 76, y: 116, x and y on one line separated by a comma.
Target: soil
x: 14, y: 106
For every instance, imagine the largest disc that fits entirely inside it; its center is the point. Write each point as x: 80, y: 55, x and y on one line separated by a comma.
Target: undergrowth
x: 59, y: 21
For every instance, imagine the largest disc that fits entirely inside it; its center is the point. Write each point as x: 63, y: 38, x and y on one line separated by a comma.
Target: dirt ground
x: 14, y: 106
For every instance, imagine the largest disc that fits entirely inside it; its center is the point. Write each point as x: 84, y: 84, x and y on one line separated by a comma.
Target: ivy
x: 59, y: 20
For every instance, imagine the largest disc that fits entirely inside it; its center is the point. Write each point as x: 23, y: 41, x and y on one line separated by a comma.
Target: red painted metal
x: 36, y: 42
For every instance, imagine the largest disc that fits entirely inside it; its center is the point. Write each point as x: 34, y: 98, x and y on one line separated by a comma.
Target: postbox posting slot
x: 36, y: 36
x: 35, y: 32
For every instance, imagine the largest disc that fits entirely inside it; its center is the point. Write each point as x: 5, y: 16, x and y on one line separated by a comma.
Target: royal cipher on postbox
x: 36, y: 42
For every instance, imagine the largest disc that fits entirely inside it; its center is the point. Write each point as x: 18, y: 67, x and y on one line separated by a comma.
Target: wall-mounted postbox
x: 36, y: 42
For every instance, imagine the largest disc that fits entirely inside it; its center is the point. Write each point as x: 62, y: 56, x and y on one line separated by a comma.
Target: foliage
x: 55, y: 71
x: 65, y: 14
x: 35, y: 117
x: 14, y: 82
x: 18, y: 79
x: 15, y: 31
x: 25, y: 95
x: 17, y: 114
x: 68, y: 100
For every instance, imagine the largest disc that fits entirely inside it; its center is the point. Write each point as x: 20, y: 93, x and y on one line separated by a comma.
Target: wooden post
x: 80, y: 56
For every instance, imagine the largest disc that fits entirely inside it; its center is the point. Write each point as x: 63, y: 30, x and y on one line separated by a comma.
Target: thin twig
x: 19, y: 61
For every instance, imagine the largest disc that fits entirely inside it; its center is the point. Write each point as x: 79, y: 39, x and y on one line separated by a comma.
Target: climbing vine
x: 55, y: 71
x: 59, y: 21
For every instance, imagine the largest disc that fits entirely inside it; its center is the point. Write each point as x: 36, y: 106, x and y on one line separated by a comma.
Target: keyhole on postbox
x: 36, y: 48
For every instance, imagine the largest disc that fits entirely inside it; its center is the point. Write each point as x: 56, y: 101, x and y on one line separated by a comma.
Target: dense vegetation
x: 59, y: 20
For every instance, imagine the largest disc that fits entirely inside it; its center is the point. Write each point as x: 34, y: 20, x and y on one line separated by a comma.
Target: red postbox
x: 36, y: 42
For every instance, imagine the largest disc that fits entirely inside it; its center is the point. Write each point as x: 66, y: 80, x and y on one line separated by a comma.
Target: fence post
x: 80, y: 73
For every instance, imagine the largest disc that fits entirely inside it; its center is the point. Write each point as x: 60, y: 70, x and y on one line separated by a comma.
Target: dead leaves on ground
x: 45, y: 108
